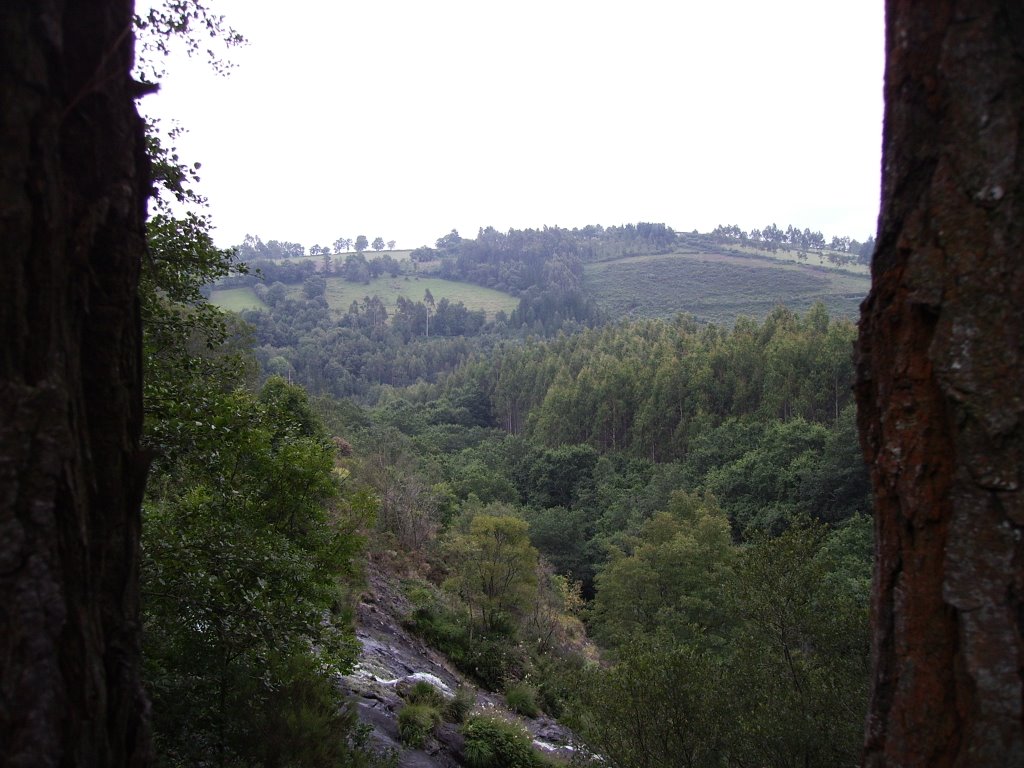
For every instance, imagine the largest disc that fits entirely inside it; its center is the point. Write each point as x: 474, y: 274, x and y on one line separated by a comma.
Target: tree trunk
x: 73, y: 175
x: 939, y: 377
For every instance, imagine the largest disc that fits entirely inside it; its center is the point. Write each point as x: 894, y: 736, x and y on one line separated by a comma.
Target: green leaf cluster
x: 249, y: 537
x: 416, y: 722
x: 491, y: 742
x: 241, y: 575
x: 522, y: 699
x: 673, y: 579
x: 782, y: 679
x: 495, y: 570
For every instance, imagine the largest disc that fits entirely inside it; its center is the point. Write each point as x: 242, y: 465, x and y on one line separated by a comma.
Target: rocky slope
x: 393, y: 658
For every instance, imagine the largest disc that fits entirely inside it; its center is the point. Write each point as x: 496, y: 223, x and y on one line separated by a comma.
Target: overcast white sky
x: 406, y: 118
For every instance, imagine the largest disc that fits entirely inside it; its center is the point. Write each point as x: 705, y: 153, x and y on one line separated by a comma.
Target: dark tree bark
x: 940, y: 373
x: 73, y: 175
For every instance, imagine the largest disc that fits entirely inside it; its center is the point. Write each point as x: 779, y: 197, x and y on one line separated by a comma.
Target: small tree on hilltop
x: 449, y: 243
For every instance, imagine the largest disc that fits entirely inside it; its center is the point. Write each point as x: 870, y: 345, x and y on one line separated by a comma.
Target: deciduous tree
x: 496, y: 569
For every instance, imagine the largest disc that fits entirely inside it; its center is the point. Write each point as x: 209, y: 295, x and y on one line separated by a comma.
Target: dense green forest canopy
x: 688, y: 495
x: 671, y: 488
x: 251, y: 534
x: 700, y: 489
x: 394, y: 332
x: 676, y: 490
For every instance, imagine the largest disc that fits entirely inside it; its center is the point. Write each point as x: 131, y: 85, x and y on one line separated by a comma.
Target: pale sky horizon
x: 407, y: 119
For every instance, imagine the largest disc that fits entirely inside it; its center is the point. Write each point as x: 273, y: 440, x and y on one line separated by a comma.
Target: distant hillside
x: 718, y: 285
x: 551, y: 279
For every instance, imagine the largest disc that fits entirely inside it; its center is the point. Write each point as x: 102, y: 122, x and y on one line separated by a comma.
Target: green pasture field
x: 236, y: 299
x: 341, y: 294
x: 718, y: 288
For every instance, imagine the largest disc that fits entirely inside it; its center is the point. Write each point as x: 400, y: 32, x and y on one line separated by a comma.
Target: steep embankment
x: 393, y: 659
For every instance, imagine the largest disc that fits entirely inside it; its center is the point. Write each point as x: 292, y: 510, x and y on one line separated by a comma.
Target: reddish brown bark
x: 72, y: 211
x: 940, y: 369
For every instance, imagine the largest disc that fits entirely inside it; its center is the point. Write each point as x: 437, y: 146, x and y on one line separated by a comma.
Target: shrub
x: 419, y: 593
x: 458, y: 708
x: 492, y: 660
x: 495, y: 743
x: 489, y: 659
x: 304, y: 723
x: 423, y: 692
x: 558, y: 679
x: 415, y: 723
x: 442, y: 629
x: 522, y: 699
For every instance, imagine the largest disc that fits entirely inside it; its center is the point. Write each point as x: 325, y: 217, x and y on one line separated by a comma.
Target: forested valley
x: 545, y: 497
x: 640, y: 521
x: 655, y: 531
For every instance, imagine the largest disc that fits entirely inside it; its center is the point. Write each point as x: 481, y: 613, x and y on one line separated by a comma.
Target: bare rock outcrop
x: 393, y: 659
